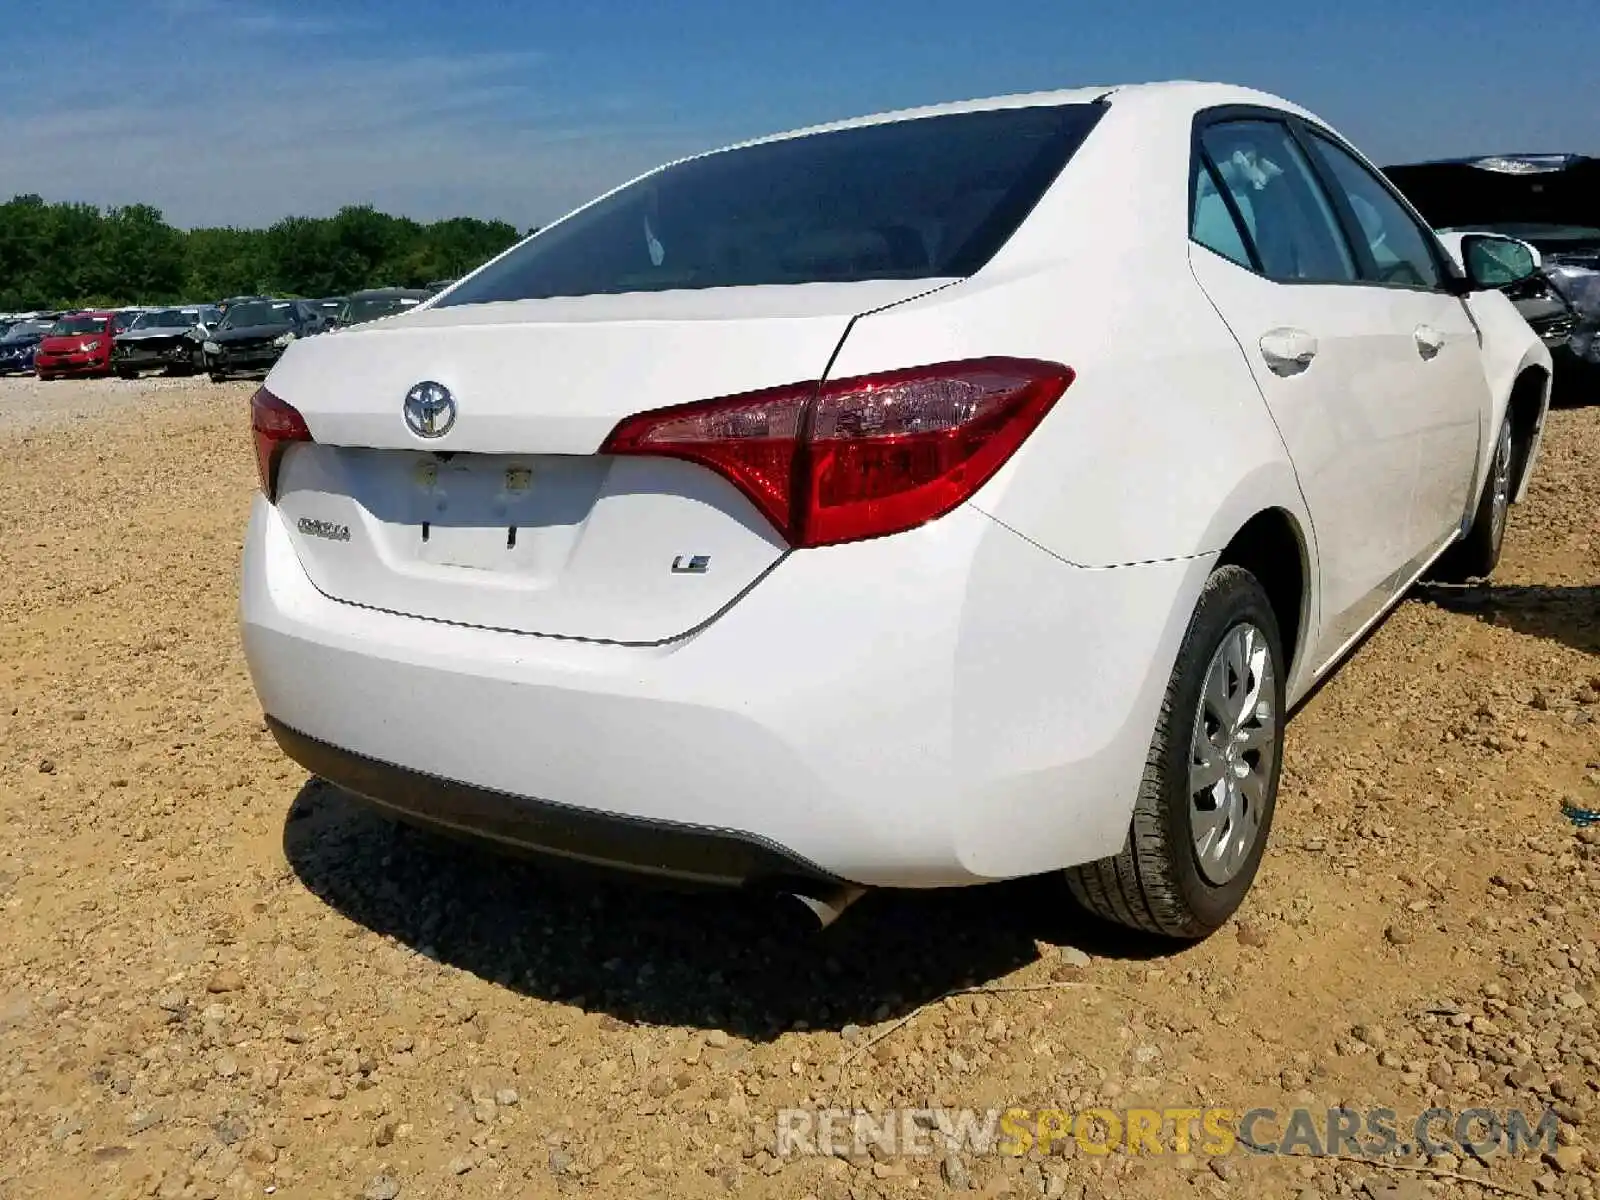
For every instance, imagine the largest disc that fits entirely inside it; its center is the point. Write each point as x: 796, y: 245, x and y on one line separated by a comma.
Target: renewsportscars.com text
x: 1364, y: 1133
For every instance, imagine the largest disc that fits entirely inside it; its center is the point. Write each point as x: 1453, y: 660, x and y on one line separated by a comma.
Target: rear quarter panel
x: 1162, y: 447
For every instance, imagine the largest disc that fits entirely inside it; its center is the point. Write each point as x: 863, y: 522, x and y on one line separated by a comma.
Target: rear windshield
x: 916, y: 199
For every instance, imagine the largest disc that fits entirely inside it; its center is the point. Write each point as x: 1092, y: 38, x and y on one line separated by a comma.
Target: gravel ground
x: 220, y: 979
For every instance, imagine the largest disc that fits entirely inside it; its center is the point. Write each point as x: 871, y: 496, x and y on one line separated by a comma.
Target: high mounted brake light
x: 274, y: 423
x: 863, y: 457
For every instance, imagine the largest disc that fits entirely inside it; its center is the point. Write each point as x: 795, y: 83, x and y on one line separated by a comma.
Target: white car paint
x: 970, y: 700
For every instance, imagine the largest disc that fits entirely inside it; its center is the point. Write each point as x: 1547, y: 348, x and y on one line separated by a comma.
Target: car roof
x: 1181, y: 94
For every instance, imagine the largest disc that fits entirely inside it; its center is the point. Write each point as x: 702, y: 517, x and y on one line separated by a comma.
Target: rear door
x: 1447, y: 405
x: 1269, y: 250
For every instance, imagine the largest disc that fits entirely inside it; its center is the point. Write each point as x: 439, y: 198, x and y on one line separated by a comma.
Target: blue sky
x: 242, y: 111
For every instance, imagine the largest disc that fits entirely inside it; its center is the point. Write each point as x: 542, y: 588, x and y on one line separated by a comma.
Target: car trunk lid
x: 511, y: 519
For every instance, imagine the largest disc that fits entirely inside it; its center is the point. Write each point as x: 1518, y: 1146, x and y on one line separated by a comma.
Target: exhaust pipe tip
x: 828, y: 905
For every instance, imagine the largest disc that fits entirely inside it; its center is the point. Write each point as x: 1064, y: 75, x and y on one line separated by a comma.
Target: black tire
x: 217, y: 377
x: 1156, y: 884
x: 124, y: 373
x: 1477, y: 554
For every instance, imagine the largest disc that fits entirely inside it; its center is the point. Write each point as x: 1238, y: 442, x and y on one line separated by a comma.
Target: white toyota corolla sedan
x: 947, y: 496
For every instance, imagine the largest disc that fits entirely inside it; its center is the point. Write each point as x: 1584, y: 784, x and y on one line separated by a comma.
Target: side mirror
x: 1491, y: 261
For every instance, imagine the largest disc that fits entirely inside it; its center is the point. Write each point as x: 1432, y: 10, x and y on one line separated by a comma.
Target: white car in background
x: 946, y: 496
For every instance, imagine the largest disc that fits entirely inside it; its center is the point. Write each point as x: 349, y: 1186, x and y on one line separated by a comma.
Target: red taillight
x: 275, y: 423
x: 752, y: 439
x: 859, y: 458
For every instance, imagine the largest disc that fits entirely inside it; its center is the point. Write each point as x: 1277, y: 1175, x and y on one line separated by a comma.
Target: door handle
x: 1429, y: 341
x: 1288, y: 351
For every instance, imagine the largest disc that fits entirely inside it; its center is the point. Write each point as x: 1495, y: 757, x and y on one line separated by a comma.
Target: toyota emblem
x: 430, y: 409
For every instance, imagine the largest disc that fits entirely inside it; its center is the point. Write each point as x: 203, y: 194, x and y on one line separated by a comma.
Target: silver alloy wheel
x: 1500, y: 499
x: 1233, y: 753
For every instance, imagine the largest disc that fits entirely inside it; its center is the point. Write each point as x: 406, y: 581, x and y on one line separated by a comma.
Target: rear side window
x: 1286, y: 214
x: 914, y: 199
x: 1396, y: 245
x: 1211, y: 224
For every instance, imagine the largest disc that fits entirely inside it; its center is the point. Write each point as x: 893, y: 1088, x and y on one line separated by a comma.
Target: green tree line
x: 64, y: 255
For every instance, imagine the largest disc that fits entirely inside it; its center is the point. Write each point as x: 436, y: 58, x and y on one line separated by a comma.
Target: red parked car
x: 79, y: 344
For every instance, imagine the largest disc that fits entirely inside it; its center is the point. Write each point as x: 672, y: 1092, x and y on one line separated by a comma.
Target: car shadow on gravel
x: 1565, y: 614
x: 751, y: 965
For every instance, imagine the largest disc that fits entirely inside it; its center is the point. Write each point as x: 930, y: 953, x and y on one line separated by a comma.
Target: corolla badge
x: 430, y: 409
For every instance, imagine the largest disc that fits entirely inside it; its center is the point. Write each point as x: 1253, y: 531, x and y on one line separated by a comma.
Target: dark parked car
x: 223, y: 306
x: 1550, y: 201
x: 373, y: 303
x: 20, y: 342
x: 165, y: 339
x: 79, y: 344
x: 255, y: 333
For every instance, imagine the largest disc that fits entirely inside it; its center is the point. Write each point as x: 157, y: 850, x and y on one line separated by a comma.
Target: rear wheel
x: 1476, y: 555
x: 217, y: 376
x: 1210, y: 783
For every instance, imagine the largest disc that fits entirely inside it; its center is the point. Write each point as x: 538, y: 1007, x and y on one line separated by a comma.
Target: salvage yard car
x: 942, y: 497
x: 1550, y: 201
x: 373, y: 303
x: 79, y: 344
x: 165, y: 339
x: 254, y: 333
x: 21, y: 341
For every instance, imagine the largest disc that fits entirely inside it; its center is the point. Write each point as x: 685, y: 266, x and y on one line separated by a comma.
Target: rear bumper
x: 952, y: 705
x: 662, y: 848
